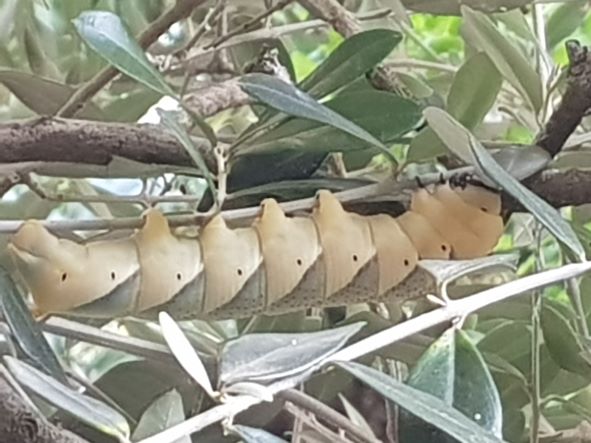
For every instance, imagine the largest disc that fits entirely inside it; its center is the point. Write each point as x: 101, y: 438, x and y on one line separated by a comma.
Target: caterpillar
x: 278, y: 264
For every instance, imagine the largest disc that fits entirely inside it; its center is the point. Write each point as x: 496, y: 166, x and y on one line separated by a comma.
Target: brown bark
x: 575, y: 102
x: 92, y: 143
x: 18, y: 423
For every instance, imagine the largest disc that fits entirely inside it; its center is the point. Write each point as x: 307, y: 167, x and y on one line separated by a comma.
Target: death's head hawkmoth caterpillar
x: 278, y: 264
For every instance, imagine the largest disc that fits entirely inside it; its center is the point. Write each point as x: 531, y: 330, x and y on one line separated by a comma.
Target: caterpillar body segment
x: 278, y: 264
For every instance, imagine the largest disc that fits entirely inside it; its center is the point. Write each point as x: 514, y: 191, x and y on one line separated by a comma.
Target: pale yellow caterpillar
x: 278, y: 264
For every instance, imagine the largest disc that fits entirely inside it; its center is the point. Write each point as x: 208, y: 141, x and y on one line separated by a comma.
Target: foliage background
x: 537, y: 353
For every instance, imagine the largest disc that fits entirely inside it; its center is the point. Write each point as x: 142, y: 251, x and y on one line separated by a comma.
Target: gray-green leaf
x: 453, y: 370
x: 254, y: 435
x: 430, y: 408
x: 168, y: 119
x: 166, y: 411
x: 26, y: 330
x: 267, y: 357
x: 290, y: 100
x: 481, y: 33
x: 353, y: 58
x: 106, y: 34
x: 87, y: 409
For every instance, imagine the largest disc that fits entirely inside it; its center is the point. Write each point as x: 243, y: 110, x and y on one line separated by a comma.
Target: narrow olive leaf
x: 351, y: 59
x: 384, y: 115
x: 267, y: 357
x: 184, y: 352
x: 90, y: 411
x: 109, y: 37
x: 26, y: 330
x: 564, y: 20
x: 256, y: 390
x: 522, y: 162
x: 452, y: 369
x: 166, y: 411
x: 202, y: 124
x: 449, y: 7
x: 562, y: 341
x: 446, y: 271
x: 44, y: 96
x: 288, y: 99
x: 460, y: 141
x: 474, y: 90
x: 481, y: 33
x: 426, y: 406
x: 168, y: 119
x: 255, y: 435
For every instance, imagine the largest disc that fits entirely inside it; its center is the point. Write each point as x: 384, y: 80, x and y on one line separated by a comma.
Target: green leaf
x: 564, y: 20
x: 44, y: 96
x: 168, y: 119
x: 562, y: 342
x: 26, y: 330
x: 462, y: 143
x: 473, y: 92
x: 447, y: 7
x: 166, y: 411
x: 184, y: 352
x: 107, y: 35
x: 351, y: 59
x: 384, y: 115
x: 87, y: 409
x: 430, y: 408
x: 481, y: 33
x: 453, y: 370
x: 290, y: 100
x: 254, y: 435
x: 263, y: 358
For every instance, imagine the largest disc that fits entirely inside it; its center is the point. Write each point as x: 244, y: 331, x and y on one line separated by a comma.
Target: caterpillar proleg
x: 278, y: 264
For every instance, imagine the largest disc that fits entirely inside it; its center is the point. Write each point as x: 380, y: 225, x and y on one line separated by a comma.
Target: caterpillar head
x: 63, y: 275
x: 40, y: 260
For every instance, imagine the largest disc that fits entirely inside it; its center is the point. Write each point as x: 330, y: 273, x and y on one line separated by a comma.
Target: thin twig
x: 535, y: 378
x: 181, y: 9
x: 390, y: 188
x: 212, y: 14
x: 267, y: 33
x: 574, y: 291
x: 326, y: 413
x: 143, y: 198
x: 306, y: 421
x: 249, y: 25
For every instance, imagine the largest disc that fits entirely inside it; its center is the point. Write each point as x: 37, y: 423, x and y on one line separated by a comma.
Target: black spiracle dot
x: 179, y: 276
x: 64, y: 276
x: 113, y: 275
x: 443, y: 248
x: 239, y: 271
x: 299, y: 262
x: 406, y: 262
x: 355, y: 257
x: 483, y: 209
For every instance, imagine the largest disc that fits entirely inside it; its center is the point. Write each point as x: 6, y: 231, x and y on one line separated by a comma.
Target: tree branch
x: 18, y: 423
x: 39, y: 144
x: 576, y: 101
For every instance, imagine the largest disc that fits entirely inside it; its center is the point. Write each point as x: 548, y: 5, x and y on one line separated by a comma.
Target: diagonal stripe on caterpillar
x: 278, y: 264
